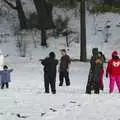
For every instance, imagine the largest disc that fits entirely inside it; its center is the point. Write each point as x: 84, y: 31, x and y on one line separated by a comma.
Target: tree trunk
x: 41, y: 10
x: 43, y: 38
x: 83, y: 56
x: 21, y: 15
x: 20, y: 11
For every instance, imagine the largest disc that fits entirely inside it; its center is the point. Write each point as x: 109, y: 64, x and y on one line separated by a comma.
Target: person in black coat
x: 64, y: 68
x: 94, y: 73
x: 50, y: 66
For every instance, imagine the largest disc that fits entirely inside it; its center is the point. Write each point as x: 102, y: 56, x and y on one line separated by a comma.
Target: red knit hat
x: 114, y: 53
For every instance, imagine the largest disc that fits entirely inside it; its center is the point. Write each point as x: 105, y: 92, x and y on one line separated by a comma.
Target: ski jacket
x: 5, y: 75
x: 50, y: 66
x: 113, y: 68
x: 64, y: 62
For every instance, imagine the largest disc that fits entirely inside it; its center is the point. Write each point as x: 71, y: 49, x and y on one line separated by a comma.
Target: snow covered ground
x: 26, y: 100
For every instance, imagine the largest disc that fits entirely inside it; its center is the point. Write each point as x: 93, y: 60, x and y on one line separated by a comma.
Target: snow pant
x: 49, y: 80
x: 101, y: 85
x: 114, y: 79
x: 62, y: 75
x: 92, y: 84
x: 3, y: 84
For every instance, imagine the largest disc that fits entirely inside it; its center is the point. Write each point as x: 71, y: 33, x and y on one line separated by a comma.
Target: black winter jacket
x: 50, y: 66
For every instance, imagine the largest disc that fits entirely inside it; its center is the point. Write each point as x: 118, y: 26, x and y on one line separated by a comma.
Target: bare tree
x: 44, y: 11
x: 20, y: 11
x: 34, y: 37
x: 41, y: 11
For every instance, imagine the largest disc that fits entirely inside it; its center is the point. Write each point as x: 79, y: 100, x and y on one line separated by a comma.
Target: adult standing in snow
x: 94, y: 73
x: 64, y: 68
x: 113, y: 71
x: 1, y: 60
x: 50, y: 66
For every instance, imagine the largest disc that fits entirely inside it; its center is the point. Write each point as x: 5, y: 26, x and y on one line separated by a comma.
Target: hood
x: 95, y: 51
x: 114, y: 53
x: 52, y: 55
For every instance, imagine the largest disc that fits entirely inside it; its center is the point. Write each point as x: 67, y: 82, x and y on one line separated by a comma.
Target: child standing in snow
x: 103, y: 59
x: 113, y: 70
x: 64, y: 68
x: 5, y: 76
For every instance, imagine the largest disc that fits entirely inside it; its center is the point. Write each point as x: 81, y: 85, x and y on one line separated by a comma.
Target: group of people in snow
x: 50, y: 69
x: 4, y: 73
x: 96, y: 72
x: 95, y: 77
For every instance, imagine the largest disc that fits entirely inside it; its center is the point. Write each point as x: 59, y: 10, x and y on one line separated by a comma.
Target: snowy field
x: 26, y: 100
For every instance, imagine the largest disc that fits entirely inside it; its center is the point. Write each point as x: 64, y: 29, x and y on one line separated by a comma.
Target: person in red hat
x: 113, y: 71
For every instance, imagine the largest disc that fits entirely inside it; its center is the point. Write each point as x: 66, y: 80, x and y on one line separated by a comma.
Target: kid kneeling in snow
x: 5, y: 76
x: 113, y: 70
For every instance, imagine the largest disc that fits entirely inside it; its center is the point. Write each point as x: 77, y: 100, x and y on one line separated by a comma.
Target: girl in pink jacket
x: 113, y: 70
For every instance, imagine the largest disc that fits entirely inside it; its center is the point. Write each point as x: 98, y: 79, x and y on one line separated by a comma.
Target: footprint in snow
x: 68, y: 110
x: 21, y: 116
x: 1, y: 113
x: 79, y: 105
x: 42, y: 114
x: 73, y: 102
x: 53, y: 110
x: 63, y: 105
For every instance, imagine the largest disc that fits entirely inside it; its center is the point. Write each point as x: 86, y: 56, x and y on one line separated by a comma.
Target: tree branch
x: 10, y: 4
